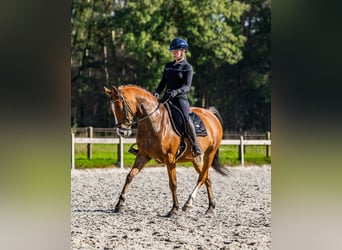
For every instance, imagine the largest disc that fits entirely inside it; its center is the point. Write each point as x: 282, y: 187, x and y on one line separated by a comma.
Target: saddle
x: 178, y: 124
x: 178, y: 121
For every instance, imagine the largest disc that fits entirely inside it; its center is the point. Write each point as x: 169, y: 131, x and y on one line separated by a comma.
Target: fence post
x: 245, y: 135
x: 90, y: 145
x: 268, y: 149
x: 241, y: 152
x: 120, y: 153
x: 72, y: 150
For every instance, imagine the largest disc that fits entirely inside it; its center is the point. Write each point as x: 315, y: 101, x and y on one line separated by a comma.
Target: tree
x: 255, y: 68
x: 119, y: 42
x: 210, y: 27
x: 92, y: 63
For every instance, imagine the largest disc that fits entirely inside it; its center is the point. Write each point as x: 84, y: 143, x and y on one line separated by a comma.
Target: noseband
x: 128, y: 111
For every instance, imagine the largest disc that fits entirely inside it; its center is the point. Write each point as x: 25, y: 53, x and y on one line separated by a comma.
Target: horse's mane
x: 136, y: 87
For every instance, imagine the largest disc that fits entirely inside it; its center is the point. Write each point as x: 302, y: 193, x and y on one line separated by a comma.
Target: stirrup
x: 181, y: 149
x: 133, y: 150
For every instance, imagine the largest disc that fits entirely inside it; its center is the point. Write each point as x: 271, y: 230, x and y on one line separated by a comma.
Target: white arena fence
x: 90, y: 139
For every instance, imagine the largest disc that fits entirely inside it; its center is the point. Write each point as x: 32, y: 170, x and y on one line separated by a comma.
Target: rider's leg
x: 183, y: 105
x: 190, y: 128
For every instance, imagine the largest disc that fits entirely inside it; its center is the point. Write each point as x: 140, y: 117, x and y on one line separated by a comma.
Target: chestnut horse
x: 157, y: 140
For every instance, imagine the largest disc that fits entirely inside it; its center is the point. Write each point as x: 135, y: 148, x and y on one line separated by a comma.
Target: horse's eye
x: 120, y: 106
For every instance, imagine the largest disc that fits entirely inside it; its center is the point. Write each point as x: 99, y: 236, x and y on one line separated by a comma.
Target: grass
x: 105, y: 155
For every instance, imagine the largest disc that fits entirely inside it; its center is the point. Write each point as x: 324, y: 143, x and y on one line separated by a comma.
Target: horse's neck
x: 152, y: 116
x: 144, y: 107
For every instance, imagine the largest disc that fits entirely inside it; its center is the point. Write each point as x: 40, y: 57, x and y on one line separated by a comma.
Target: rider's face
x: 177, y: 54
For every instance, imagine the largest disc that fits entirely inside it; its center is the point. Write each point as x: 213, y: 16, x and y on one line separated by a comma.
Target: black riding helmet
x: 178, y: 43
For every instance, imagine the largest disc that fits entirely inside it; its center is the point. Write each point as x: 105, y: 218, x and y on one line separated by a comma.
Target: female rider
x: 177, y: 78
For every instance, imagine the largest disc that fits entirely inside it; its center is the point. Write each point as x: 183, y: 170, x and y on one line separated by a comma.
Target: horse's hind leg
x: 212, y: 204
x: 139, y: 163
x: 202, y: 169
x: 188, y: 205
x: 204, y: 177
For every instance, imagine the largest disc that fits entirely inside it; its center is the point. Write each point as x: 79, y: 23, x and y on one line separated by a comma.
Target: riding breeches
x: 184, y: 106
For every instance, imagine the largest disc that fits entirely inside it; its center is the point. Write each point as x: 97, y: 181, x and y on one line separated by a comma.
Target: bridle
x: 128, y: 110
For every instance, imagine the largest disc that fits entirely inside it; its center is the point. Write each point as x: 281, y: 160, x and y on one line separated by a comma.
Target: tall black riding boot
x: 192, y: 137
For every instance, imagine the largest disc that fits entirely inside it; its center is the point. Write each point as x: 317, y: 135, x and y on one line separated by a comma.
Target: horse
x: 157, y: 140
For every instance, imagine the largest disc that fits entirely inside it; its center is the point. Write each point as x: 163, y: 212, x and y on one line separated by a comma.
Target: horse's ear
x: 115, y: 88
x: 108, y: 91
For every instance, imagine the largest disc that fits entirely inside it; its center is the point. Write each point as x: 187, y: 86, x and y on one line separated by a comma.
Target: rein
x: 128, y: 109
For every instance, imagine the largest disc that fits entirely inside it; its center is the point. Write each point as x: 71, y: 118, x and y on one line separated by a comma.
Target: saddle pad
x: 177, y: 121
x: 199, y: 126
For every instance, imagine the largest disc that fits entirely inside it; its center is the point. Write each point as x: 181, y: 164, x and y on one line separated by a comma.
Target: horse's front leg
x: 171, y: 170
x: 139, y: 163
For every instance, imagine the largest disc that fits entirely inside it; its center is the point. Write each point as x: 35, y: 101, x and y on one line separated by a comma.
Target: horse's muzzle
x: 125, y: 132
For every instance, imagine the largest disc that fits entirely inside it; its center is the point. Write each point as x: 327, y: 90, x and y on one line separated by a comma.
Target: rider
x: 177, y: 78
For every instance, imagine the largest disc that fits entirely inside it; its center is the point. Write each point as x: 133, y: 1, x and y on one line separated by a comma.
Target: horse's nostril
x: 119, y: 132
x: 123, y: 132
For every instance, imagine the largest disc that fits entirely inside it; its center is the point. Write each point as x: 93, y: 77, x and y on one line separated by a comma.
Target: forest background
x: 126, y: 42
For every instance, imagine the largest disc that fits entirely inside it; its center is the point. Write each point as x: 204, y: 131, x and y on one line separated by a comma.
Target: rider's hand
x: 172, y: 93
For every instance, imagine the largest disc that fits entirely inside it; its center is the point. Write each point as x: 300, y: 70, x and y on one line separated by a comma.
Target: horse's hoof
x: 186, y: 208
x: 171, y: 214
x: 210, y: 211
x: 119, y: 209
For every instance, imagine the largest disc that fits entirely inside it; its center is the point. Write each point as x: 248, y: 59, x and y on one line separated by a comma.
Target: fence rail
x: 111, y: 133
x: 121, y: 141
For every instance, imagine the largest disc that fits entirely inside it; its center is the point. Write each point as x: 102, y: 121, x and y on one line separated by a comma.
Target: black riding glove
x: 172, y: 93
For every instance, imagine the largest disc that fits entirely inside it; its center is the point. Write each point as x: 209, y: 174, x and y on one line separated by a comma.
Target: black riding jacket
x: 176, y: 77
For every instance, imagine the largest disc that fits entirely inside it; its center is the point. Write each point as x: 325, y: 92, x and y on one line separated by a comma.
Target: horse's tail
x: 217, y: 165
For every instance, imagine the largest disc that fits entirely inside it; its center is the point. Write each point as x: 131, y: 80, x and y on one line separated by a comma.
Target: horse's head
x: 122, y: 112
